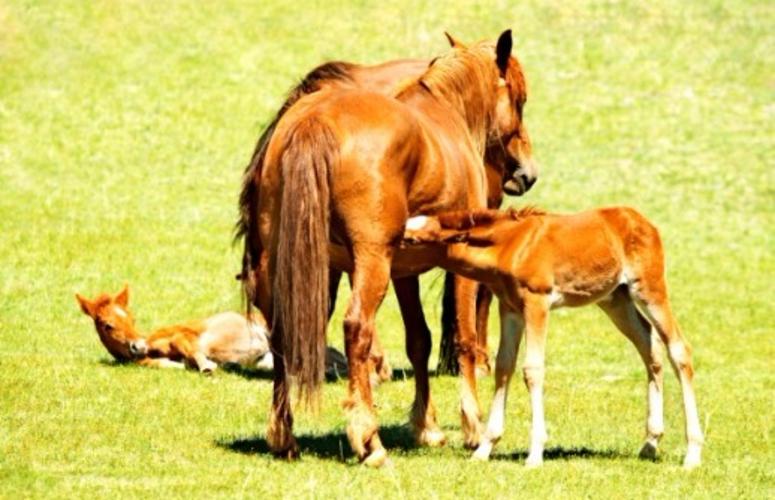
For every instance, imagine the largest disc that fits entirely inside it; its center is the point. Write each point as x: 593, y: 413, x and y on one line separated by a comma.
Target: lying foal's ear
x: 86, y: 305
x: 503, y: 51
x: 123, y: 296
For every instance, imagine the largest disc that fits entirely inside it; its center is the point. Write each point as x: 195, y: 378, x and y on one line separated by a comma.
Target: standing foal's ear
x: 454, y: 42
x: 123, y: 296
x: 86, y: 305
x: 503, y: 51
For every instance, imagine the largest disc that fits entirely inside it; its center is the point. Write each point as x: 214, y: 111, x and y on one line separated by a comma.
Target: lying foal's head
x: 114, y: 322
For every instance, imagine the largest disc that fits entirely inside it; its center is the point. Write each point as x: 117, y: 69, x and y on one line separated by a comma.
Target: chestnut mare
x: 343, y: 171
x: 224, y: 338
x: 535, y: 262
x: 383, y: 78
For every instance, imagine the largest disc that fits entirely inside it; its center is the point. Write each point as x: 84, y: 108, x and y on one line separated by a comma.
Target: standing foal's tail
x: 300, y: 287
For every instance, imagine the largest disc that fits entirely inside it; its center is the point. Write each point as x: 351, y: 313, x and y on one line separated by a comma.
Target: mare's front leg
x: 370, y: 280
x: 512, y: 326
x: 465, y: 308
x: 422, y: 418
x: 535, y: 312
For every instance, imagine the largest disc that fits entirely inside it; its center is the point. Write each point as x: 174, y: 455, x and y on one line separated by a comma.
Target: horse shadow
x: 396, y: 437
x: 562, y: 453
x: 329, y: 446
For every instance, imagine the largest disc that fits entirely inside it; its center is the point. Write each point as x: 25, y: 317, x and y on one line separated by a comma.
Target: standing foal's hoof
x: 534, y: 462
x: 648, y: 451
x: 692, y: 459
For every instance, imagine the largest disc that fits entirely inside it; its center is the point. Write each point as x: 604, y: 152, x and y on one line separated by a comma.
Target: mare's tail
x: 300, y: 287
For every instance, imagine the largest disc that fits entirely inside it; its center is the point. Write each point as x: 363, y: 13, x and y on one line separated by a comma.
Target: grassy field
x: 125, y: 126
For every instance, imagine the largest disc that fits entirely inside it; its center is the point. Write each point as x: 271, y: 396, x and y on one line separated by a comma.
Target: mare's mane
x: 469, y: 219
x: 466, y: 80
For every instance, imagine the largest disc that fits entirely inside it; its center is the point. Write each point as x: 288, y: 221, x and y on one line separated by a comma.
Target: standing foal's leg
x: 483, y: 300
x: 370, y: 279
x: 536, y: 312
x: 465, y: 308
x: 512, y: 326
x: 418, y: 348
x: 622, y: 311
x: 653, y: 295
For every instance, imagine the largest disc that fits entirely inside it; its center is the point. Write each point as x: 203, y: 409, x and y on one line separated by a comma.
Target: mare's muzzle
x: 522, y: 177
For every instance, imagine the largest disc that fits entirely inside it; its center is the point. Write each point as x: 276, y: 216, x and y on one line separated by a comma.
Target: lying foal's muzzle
x: 138, y: 348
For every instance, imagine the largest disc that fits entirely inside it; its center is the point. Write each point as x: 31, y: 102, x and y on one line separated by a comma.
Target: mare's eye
x: 108, y: 327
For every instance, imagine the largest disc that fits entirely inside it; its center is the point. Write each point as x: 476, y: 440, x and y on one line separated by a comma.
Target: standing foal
x: 535, y: 262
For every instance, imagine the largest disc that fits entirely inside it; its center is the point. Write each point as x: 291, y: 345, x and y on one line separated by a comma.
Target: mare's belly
x: 406, y: 261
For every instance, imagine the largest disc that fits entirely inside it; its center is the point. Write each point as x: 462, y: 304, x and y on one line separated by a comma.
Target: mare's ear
x: 87, y: 306
x: 503, y: 51
x: 454, y: 42
x: 123, y: 296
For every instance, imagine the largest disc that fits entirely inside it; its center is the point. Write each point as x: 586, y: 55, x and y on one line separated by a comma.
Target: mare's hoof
x: 377, y: 458
x: 432, y: 437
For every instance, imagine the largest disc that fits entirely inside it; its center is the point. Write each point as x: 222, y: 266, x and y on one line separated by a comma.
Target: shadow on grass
x: 560, y: 453
x: 333, y: 445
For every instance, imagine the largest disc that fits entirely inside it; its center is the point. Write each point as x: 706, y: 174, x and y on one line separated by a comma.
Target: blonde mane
x: 465, y: 79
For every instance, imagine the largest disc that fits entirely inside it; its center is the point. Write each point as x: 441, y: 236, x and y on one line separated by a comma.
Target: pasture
x: 124, y: 130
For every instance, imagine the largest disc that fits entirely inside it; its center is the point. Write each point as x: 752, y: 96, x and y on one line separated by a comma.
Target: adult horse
x: 502, y: 177
x: 342, y: 172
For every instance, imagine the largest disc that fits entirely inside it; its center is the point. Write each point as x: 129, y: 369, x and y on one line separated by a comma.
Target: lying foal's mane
x: 467, y: 219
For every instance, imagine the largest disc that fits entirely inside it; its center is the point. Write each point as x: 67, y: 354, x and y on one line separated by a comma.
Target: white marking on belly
x: 556, y: 299
x: 416, y: 223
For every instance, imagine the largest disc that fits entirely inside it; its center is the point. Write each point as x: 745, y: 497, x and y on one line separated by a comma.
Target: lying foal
x: 535, y: 262
x: 225, y: 338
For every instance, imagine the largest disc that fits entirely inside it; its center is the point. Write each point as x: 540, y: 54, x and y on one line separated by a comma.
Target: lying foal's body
x: 224, y: 338
x: 534, y: 262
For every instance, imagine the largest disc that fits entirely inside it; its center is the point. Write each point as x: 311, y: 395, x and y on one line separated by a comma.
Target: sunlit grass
x: 125, y: 126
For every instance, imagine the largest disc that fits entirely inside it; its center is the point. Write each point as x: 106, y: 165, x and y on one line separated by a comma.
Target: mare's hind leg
x: 512, y: 327
x: 418, y: 348
x: 652, y: 296
x: 279, y: 434
x: 465, y: 308
x: 623, y: 313
x: 370, y: 280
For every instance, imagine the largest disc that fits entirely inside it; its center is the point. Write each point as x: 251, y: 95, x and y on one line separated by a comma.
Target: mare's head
x: 114, y: 322
x: 499, y: 77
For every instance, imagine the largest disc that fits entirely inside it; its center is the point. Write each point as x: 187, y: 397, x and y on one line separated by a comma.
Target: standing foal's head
x: 114, y: 322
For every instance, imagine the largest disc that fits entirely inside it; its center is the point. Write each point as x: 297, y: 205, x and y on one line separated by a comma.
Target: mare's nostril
x: 529, y: 181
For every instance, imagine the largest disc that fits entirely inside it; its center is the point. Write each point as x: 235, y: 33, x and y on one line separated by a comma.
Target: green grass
x: 125, y: 126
